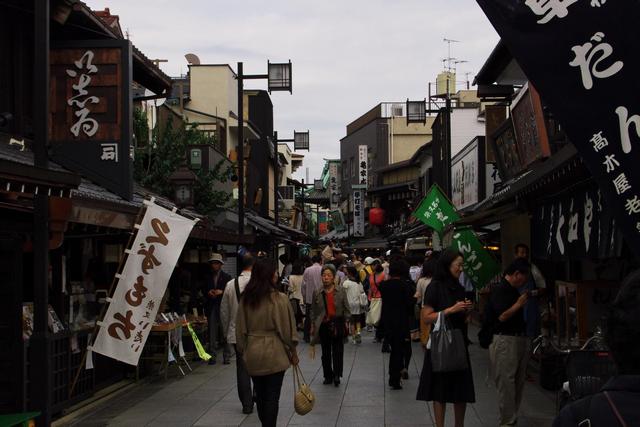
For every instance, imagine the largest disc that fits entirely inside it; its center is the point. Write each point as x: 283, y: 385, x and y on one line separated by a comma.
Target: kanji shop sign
x: 142, y: 283
x: 91, y: 111
x: 358, y: 213
x: 581, y: 57
x: 363, y: 165
x: 436, y: 210
x: 479, y: 265
x: 334, y: 185
x: 575, y: 225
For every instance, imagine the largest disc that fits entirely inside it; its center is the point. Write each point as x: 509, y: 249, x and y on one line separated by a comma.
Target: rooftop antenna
x: 466, y: 77
x: 456, y: 62
x: 127, y: 34
x: 449, y: 58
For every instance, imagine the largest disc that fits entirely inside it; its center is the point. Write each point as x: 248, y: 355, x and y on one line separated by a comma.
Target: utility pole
x: 240, y: 160
x: 41, y: 367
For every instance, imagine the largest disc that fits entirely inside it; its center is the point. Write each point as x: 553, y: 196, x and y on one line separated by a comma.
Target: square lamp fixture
x: 416, y: 111
x: 279, y: 76
x: 318, y: 184
x: 301, y: 140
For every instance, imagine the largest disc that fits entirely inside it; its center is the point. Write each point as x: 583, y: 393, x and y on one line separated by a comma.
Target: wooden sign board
x: 90, y: 109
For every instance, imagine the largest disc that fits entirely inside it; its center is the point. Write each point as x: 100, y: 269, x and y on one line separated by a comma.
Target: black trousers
x: 267, y: 388
x: 400, y: 356
x: 244, y: 383
x: 332, y: 352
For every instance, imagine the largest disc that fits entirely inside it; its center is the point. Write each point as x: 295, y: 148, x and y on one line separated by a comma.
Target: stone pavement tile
x: 361, y: 416
x: 221, y: 417
x: 184, y: 413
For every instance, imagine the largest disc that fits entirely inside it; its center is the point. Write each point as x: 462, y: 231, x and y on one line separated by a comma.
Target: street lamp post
x: 279, y: 79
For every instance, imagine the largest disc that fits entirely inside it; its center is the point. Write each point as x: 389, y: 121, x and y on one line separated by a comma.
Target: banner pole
x: 103, y: 311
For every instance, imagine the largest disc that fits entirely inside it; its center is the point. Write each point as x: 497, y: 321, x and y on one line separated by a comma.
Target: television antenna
x: 449, y: 58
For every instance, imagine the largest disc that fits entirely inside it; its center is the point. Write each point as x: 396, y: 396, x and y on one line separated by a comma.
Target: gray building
x: 371, y: 130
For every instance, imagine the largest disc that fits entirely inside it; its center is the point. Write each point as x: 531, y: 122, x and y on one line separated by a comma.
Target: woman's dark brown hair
x: 260, y: 285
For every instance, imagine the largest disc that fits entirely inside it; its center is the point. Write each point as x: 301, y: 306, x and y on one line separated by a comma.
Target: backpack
x: 365, y: 282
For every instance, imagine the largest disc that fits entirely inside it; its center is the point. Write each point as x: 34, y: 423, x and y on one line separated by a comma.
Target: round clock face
x: 183, y: 193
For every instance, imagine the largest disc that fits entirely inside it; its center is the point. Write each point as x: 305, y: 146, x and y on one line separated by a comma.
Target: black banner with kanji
x: 582, y: 57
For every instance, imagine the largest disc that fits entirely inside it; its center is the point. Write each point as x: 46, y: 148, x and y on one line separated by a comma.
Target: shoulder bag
x: 448, y: 349
x: 303, y: 397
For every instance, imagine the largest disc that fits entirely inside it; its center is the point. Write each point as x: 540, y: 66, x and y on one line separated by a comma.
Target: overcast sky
x: 347, y: 55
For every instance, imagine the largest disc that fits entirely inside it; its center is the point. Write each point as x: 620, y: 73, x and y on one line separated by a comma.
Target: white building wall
x: 465, y: 125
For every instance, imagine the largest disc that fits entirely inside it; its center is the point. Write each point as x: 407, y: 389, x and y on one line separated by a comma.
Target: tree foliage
x: 155, y: 162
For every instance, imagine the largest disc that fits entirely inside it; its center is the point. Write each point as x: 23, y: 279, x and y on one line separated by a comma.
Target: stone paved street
x: 207, y: 397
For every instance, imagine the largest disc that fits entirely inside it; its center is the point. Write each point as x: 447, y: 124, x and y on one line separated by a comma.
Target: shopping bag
x: 448, y: 349
x: 375, y: 310
x: 303, y: 397
x: 363, y: 301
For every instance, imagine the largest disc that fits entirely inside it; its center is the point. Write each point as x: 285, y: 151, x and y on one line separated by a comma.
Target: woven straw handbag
x: 303, y: 397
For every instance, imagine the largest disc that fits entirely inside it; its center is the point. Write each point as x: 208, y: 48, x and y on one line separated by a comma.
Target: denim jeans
x: 267, y: 388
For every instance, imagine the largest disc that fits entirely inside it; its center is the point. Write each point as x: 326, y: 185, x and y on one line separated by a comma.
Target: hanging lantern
x: 376, y: 216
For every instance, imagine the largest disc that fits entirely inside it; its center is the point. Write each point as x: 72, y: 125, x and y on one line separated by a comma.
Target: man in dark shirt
x: 397, y: 313
x: 509, y: 351
x: 213, y: 290
x: 617, y: 403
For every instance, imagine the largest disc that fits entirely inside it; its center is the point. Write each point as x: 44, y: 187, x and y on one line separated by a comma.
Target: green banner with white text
x: 436, y: 210
x: 479, y: 265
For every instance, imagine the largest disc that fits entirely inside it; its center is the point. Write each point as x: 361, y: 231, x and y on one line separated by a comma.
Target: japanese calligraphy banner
x: 479, y: 265
x: 142, y: 284
x: 358, y: 213
x: 363, y: 168
x: 581, y: 56
x: 334, y: 186
x: 436, y: 210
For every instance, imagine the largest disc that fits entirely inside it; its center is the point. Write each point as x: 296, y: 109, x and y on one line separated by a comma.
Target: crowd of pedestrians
x: 332, y: 297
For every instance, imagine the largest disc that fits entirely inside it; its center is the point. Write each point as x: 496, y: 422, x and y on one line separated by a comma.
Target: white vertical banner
x: 334, y: 186
x: 142, y: 284
x: 363, y: 165
x: 358, y: 213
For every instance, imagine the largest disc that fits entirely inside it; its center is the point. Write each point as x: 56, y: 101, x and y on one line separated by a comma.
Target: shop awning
x: 264, y: 225
x: 373, y: 243
x: 531, y: 179
x: 292, y: 232
x: 19, y: 175
x: 391, y: 187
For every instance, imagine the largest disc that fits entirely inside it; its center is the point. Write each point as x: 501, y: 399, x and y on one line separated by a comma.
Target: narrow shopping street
x: 207, y: 397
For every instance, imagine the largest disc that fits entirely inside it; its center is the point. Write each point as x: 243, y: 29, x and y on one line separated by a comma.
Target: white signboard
x: 334, y: 185
x: 142, y: 284
x: 363, y: 165
x: 358, y: 213
x: 465, y: 179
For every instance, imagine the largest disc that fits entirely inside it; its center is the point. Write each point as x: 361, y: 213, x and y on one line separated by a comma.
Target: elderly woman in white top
x: 357, y: 300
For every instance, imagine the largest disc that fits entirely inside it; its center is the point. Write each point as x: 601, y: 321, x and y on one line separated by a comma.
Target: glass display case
x: 581, y: 306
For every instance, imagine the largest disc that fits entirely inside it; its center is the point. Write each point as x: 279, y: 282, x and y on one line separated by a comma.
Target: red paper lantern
x: 376, y: 216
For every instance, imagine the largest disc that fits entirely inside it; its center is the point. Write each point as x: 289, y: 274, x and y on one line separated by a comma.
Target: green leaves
x: 157, y: 160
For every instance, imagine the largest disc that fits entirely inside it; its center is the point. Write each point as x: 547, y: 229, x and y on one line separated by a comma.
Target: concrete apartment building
x: 389, y: 138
